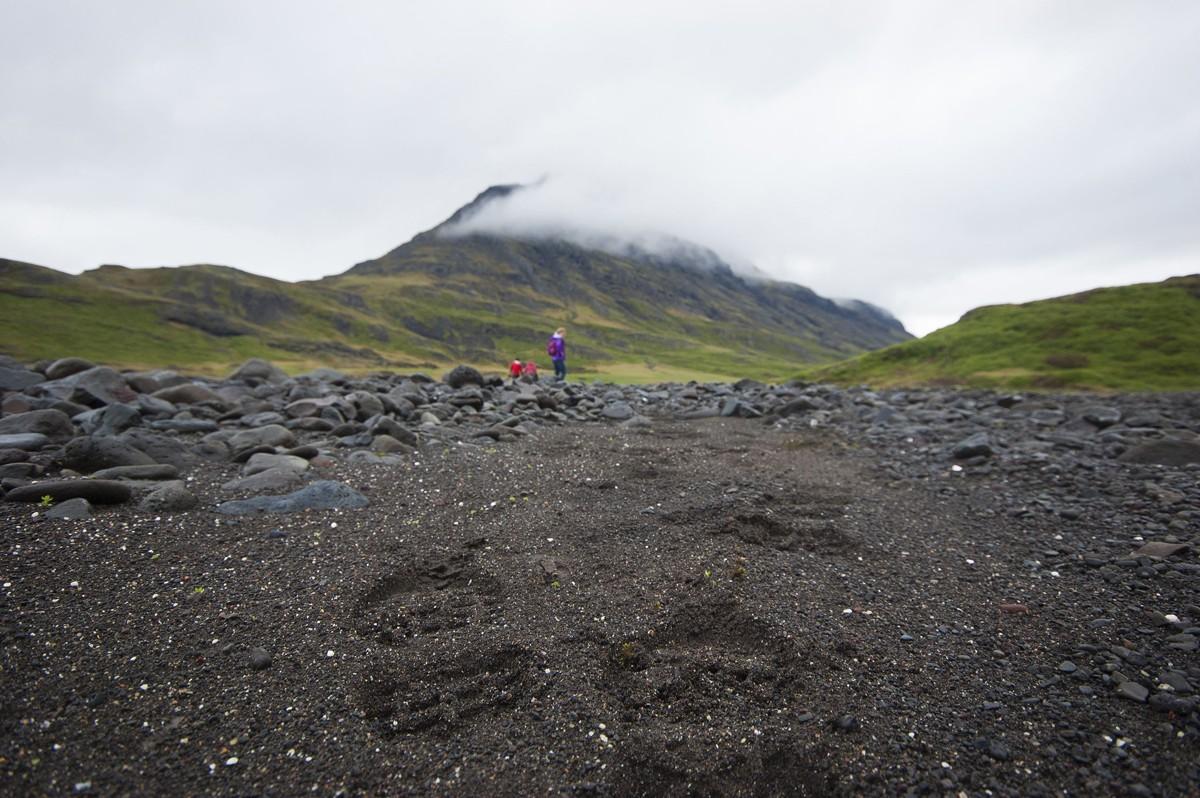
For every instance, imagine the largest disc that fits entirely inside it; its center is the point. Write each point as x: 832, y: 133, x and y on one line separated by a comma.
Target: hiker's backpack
x: 552, y: 347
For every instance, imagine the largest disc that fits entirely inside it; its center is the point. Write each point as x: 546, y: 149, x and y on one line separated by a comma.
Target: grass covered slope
x: 444, y: 299
x: 1132, y: 338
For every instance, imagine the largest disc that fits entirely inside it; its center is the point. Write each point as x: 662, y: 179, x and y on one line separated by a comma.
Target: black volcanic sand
x: 697, y: 608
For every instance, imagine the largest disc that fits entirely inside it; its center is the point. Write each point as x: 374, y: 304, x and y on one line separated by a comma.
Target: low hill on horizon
x: 1142, y: 337
x: 442, y: 299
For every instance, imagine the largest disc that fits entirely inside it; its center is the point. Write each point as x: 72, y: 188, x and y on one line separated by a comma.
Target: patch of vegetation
x: 1143, y: 337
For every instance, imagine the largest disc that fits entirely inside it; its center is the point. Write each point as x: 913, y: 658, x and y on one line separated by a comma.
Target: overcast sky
x: 929, y: 157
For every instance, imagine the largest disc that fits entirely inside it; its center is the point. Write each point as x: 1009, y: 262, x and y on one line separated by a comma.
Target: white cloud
x: 927, y: 156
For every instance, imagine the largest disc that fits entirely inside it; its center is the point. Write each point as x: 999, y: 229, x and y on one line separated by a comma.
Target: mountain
x: 632, y: 313
x: 1131, y: 338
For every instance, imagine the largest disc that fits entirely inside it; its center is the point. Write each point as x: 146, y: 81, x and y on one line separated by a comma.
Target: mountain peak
x: 487, y: 196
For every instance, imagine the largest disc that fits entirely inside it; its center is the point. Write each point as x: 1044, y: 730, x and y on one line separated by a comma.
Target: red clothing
x: 530, y: 369
x: 514, y: 369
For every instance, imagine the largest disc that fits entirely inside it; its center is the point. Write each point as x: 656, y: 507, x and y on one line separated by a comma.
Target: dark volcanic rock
x: 96, y: 491
x: 27, y: 441
x: 189, y: 394
x: 323, y: 495
x: 87, y: 455
x: 977, y: 445
x: 172, y: 497
x: 463, y: 375
x: 54, y: 424
x: 1164, y: 452
x: 155, y: 472
x: 18, y: 379
x: 65, y: 367
x: 258, y: 370
x: 71, y: 510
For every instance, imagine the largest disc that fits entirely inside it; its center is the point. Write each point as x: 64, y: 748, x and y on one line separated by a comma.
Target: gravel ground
x: 707, y: 607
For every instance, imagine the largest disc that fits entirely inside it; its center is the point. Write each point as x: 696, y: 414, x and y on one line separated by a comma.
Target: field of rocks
x: 457, y: 585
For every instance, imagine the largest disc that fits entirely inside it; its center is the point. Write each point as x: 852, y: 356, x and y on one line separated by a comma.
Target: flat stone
x: 1165, y: 452
x: 270, y: 435
x: 269, y: 480
x: 54, y: 424
x: 322, y: 495
x: 71, y: 510
x: 1133, y: 691
x: 96, y: 491
x: 172, y: 497
x: 266, y: 462
x: 148, y: 472
x: 1158, y: 549
x: 87, y: 454
x: 18, y: 379
x: 28, y: 441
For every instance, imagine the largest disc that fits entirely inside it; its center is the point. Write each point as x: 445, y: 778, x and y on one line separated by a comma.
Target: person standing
x: 556, y: 348
x: 514, y: 369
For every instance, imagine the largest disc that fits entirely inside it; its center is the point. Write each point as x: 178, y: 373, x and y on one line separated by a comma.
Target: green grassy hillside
x: 1132, y: 338
x: 439, y: 300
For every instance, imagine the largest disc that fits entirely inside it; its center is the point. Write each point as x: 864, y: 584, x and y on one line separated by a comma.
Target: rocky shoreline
x: 795, y: 589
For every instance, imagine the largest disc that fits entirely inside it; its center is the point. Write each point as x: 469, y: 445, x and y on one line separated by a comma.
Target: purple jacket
x: 556, y: 348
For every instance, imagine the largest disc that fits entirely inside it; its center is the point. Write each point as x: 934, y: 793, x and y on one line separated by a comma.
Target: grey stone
x: 94, y: 387
x: 97, y: 491
x: 322, y: 495
x: 1101, y: 416
x: 259, y: 659
x: 977, y: 445
x: 87, y: 455
x: 618, y: 411
x: 160, y: 448
x: 71, y: 510
x: 185, y: 425
x: 462, y: 375
x: 54, y: 424
x: 18, y: 379
x: 1164, y: 452
x: 109, y: 420
x: 270, y: 480
x: 270, y: 435
x: 172, y: 497
x: 138, y: 472
x: 259, y: 370
x: 26, y: 441
x: 386, y: 425
x: 1133, y: 691
x: 266, y: 462
x: 66, y: 366
x: 190, y: 393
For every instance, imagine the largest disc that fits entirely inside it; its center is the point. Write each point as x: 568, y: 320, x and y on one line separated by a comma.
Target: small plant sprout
x: 555, y: 585
x: 47, y: 501
x: 708, y: 574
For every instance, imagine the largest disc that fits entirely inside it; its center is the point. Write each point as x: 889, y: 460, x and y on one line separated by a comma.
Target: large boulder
x: 463, y: 375
x: 86, y: 454
x: 54, y: 424
x: 258, y: 370
x: 96, y: 491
